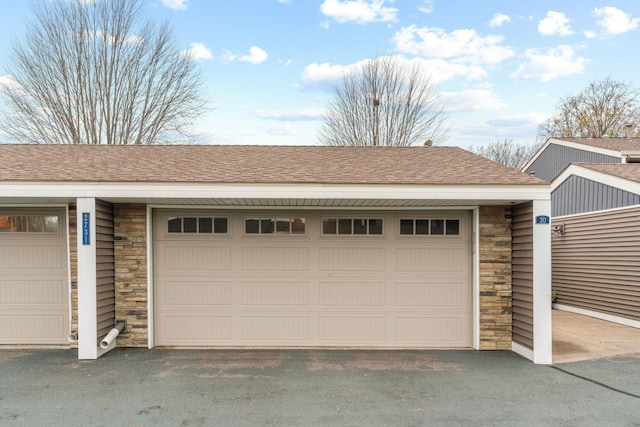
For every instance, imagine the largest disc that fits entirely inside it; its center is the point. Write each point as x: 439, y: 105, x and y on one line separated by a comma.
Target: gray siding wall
x: 579, y: 195
x: 522, y: 273
x: 105, y: 268
x: 556, y: 157
x: 596, y: 264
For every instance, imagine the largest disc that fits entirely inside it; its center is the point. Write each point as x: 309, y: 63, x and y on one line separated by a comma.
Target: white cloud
x: 590, y: 34
x: 7, y: 81
x: 304, y: 114
x: 359, y: 11
x: 518, y: 122
x: 426, y: 7
x: 198, y: 51
x: 322, y: 75
x: 471, y: 100
x: 498, y: 20
x: 325, y: 76
x: 255, y: 56
x: 280, y: 130
x: 552, y: 64
x: 555, y: 24
x: 615, y: 21
x: 464, y: 45
x: 175, y: 4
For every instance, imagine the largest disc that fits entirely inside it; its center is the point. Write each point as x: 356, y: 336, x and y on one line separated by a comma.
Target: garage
x: 34, y: 295
x: 375, y: 279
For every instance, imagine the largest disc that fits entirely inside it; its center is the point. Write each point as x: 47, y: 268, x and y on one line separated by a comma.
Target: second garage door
x: 34, y: 295
x: 312, y: 279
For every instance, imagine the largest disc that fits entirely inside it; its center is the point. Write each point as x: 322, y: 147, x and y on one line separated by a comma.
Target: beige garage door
x: 336, y: 279
x: 34, y: 301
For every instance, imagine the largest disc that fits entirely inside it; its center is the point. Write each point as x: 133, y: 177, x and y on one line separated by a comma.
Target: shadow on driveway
x: 140, y: 387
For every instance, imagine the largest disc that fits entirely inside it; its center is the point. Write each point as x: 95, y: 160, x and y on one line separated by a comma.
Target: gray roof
x: 254, y: 164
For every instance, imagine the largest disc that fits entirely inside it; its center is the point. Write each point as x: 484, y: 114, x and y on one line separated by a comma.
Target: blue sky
x: 500, y: 66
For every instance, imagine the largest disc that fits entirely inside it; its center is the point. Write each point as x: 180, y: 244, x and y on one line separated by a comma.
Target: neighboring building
x: 595, y: 204
x: 258, y: 246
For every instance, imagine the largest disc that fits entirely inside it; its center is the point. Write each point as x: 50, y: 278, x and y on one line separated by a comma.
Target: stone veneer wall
x: 130, y: 247
x: 495, y: 278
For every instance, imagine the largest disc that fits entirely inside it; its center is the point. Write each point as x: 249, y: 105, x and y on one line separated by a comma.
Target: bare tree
x: 605, y: 107
x: 384, y: 102
x: 90, y: 72
x: 507, y: 152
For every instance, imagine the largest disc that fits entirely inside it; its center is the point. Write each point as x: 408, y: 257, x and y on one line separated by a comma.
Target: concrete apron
x: 577, y: 337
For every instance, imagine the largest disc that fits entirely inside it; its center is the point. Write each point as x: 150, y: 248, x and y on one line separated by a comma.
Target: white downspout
x: 109, y: 339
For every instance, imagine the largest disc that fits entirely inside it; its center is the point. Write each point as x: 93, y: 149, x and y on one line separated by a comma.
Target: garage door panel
x: 275, y: 293
x: 446, y: 329
x: 36, y: 292
x: 37, y: 257
x: 441, y: 293
x: 195, y: 328
x: 195, y: 258
x: 351, y: 329
x: 194, y: 293
x: 352, y: 259
x: 33, y: 328
x: 362, y: 294
x: 275, y: 258
x: 438, y: 259
x: 275, y: 328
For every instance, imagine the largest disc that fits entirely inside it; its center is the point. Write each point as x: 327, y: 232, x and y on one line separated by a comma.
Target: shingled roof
x: 254, y: 164
x: 630, y: 171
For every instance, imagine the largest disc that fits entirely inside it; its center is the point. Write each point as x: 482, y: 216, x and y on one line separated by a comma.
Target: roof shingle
x: 254, y: 164
x: 630, y: 171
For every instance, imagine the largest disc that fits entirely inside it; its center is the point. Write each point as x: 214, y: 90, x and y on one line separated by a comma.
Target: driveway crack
x: 598, y: 383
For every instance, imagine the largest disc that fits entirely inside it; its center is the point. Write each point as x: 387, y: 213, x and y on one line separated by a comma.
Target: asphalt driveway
x: 139, y: 387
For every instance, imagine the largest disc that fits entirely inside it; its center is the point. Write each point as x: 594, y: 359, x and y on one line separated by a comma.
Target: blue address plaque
x: 542, y: 219
x: 86, y: 228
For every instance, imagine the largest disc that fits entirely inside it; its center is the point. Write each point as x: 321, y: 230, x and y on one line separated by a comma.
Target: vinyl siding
x: 596, y: 264
x: 522, y: 270
x: 578, y: 195
x: 105, y: 271
x: 556, y: 157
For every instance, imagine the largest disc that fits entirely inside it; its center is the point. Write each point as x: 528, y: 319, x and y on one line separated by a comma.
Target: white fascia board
x: 148, y: 191
x: 597, y: 176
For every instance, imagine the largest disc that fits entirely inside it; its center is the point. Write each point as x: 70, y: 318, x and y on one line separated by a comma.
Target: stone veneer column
x: 495, y: 277
x: 130, y: 247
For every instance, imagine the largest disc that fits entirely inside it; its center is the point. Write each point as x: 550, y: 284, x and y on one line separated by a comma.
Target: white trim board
x: 149, y: 191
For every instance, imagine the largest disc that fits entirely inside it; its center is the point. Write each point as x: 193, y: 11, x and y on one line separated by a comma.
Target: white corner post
x: 542, y: 324
x: 87, y: 301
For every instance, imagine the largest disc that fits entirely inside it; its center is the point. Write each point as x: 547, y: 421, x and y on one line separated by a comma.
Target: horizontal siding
x: 596, y: 264
x: 105, y: 268
x: 578, y: 195
x: 522, y: 274
x: 556, y: 157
